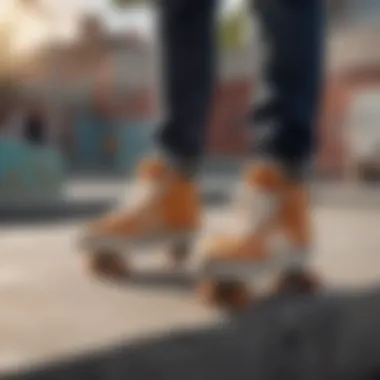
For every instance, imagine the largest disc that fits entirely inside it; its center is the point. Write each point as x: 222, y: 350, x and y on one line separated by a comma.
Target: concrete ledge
x: 17, y: 213
x: 216, y: 191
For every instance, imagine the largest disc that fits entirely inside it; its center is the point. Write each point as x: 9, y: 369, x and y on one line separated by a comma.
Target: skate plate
x: 128, y: 245
x: 246, y: 270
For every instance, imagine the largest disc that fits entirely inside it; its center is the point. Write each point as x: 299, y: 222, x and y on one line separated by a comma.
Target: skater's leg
x: 293, y: 30
x: 188, y: 32
x: 171, y: 209
x: 284, y: 128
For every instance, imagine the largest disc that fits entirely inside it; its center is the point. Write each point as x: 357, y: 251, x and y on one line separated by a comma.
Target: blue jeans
x: 294, y: 31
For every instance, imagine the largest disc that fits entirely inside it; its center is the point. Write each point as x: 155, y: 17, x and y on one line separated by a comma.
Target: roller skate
x: 166, y: 210
x: 276, y: 240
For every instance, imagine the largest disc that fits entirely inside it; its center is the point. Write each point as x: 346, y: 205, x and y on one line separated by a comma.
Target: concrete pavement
x: 51, y: 308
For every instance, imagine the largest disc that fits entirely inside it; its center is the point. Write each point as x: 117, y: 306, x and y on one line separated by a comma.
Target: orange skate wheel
x: 229, y: 295
x: 107, y: 264
x: 298, y: 282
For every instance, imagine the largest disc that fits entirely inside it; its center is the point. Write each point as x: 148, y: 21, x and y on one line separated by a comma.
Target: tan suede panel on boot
x: 181, y: 203
x: 234, y: 249
x: 152, y: 170
x: 295, y: 216
x: 266, y: 177
x: 290, y: 217
x: 173, y: 207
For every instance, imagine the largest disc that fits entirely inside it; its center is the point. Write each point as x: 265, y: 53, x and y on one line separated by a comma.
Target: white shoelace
x: 137, y: 195
x: 255, y: 207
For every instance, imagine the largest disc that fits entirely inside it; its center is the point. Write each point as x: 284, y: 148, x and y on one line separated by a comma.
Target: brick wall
x: 226, y: 129
x: 232, y: 101
x: 141, y: 104
x: 332, y: 150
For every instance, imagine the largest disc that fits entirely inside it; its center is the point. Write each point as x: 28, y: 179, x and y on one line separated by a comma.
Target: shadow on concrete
x: 165, y: 280
x: 20, y: 214
x: 335, y: 337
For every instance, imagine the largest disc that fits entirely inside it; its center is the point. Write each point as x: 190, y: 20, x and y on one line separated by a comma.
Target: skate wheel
x: 110, y: 265
x: 179, y: 253
x: 229, y: 295
x: 298, y: 283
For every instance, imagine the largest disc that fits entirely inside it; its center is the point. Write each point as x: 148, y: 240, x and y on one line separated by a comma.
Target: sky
x: 57, y: 19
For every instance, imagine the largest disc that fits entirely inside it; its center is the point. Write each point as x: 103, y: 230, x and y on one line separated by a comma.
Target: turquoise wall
x: 133, y: 139
x: 29, y: 172
x: 90, y: 135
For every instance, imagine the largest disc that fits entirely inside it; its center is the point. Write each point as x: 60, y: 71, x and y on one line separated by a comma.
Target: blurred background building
x: 92, y: 88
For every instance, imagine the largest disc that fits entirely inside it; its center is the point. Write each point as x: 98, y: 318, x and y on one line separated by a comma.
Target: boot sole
x: 248, y: 269
x: 122, y: 244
